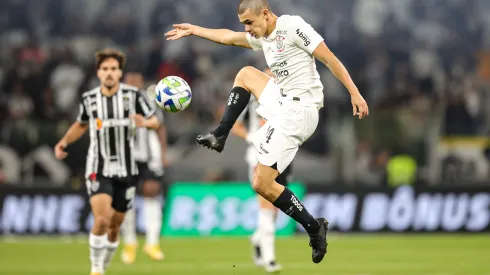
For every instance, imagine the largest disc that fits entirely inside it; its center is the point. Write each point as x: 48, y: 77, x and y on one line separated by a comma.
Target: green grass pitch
x: 348, y: 255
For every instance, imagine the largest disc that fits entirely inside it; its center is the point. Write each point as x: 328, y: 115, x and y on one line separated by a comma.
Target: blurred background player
x: 149, y: 152
x: 110, y: 111
x: 264, y: 236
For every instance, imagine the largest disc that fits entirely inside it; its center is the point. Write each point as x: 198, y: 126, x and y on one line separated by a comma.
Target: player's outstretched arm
x: 323, y: 53
x: 75, y: 132
x: 220, y: 36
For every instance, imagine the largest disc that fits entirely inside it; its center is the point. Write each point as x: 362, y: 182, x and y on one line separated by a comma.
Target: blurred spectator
x: 65, y: 82
x: 421, y: 65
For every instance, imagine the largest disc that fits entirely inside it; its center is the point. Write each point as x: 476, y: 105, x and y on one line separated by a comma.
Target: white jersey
x: 289, y: 51
x: 250, y: 114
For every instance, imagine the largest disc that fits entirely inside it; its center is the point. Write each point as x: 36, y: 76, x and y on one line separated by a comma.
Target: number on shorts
x: 269, y: 133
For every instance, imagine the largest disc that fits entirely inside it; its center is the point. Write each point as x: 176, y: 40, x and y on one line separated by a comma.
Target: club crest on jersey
x: 98, y: 123
x: 280, y: 43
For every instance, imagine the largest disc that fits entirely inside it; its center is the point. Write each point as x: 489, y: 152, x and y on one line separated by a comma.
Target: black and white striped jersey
x: 112, y: 132
x: 147, y: 147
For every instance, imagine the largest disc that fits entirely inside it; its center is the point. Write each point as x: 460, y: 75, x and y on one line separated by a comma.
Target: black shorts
x: 285, y: 177
x: 122, y: 191
x: 147, y: 173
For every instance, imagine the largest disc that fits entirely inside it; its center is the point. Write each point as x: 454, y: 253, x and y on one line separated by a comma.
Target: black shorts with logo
x: 122, y: 190
x: 145, y: 172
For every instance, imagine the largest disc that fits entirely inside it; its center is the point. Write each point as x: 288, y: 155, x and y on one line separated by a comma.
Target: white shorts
x: 288, y: 126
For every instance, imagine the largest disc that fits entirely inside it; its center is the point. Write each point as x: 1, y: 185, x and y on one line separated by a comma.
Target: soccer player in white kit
x: 263, y: 238
x: 290, y: 46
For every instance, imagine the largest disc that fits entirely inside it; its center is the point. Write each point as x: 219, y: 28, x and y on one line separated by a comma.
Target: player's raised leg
x: 248, y: 81
x: 128, y: 230
x: 152, y: 208
x: 102, y: 211
x: 112, y: 237
x: 283, y: 198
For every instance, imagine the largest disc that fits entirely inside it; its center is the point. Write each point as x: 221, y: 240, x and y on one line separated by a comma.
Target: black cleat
x: 212, y: 142
x: 318, y: 241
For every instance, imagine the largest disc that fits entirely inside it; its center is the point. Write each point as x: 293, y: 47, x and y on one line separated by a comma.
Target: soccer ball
x: 173, y: 94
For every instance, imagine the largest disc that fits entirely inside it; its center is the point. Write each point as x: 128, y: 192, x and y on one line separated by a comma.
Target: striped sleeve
x: 82, y: 113
x: 142, y: 106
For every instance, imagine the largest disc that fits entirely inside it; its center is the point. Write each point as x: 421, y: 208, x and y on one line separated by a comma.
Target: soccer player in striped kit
x: 111, y: 112
x: 149, y: 150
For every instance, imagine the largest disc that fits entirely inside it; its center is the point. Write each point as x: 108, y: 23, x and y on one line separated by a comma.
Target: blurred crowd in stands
x: 422, y: 65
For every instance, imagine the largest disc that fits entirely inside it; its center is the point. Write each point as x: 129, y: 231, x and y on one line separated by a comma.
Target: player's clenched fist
x: 59, y: 150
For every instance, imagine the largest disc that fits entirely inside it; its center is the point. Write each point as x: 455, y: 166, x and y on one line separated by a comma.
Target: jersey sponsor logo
x: 280, y: 43
x: 304, y: 37
x: 108, y: 123
x: 263, y: 149
x: 281, y: 32
x: 296, y: 203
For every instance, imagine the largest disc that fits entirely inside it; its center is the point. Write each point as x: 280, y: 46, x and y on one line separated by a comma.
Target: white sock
x: 153, y: 220
x: 97, y: 252
x: 128, y: 228
x: 267, y: 228
x: 110, y: 251
x: 255, y: 238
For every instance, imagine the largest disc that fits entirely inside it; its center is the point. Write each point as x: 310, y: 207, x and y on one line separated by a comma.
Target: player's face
x: 109, y: 73
x: 255, y: 24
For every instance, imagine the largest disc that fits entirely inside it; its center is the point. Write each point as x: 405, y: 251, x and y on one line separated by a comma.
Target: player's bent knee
x: 101, y: 223
x: 243, y: 74
x: 261, y: 182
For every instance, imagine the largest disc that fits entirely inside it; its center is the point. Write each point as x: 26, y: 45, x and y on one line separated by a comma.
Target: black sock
x: 237, y: 102
x: 290, y: 204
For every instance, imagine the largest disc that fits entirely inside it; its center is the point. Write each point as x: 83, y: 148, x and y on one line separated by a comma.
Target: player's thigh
x: 252, y: 79
x: 101, y: 194
x: 151, y: 179
x: 275, y: 148
x: 124, y: 194
x: 151, y: 188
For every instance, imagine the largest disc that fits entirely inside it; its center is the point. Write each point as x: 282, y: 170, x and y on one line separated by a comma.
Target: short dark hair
x: 255, y: 5
x: 104, y: 54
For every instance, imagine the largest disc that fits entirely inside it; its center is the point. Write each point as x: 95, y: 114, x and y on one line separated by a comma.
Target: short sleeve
x: 304, y: 35
x: 82, y: 113
x: 142, y: 106
x: 254, y: 42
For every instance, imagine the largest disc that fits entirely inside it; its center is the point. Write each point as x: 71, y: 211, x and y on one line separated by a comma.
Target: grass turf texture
x: 348, y: 255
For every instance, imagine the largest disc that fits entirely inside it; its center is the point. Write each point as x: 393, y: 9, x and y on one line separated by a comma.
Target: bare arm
x: 220, y: 36
x: 323, y: 53
x: 75, y: 132
x: 151, y: 122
